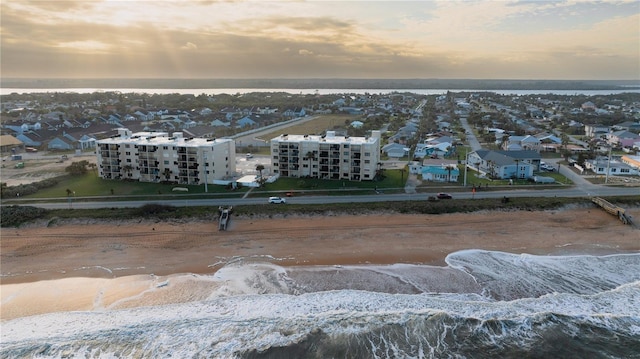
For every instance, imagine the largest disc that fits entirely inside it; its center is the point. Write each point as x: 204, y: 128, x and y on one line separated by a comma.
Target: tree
x: 311, y: 156
x: 565, y: 140
x: 167, y: 174
x: 77, y: 168
x: 449, y: 168
x: 260, y: 168
x: 128, y: 169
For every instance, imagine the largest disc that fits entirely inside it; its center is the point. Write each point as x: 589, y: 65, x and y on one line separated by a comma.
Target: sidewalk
x: 411, y: 184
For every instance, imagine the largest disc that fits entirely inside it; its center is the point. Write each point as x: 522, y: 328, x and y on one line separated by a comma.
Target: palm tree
x: 449, y: 168
x: 167, y: 174
x: 260, y: 168
x: 127, y: 169
x: 311, y: 156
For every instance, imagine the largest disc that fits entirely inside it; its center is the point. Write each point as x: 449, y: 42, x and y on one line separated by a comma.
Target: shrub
x: 27, y: 189
x: 155, y: 209
x: 14, y: 216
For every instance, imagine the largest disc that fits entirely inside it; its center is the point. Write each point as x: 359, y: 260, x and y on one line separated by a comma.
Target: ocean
x: 482, y: 304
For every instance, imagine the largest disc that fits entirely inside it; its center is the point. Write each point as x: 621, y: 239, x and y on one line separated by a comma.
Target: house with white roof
x: 519, y: 143
x: 615, y: 166
x: 395, y: 150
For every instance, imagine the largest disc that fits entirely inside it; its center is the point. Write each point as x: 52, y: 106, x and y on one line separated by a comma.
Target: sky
x: 552, y: 40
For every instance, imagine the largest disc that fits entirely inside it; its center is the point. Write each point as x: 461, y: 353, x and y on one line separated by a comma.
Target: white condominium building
x: 326, y: 157
x: 156, y: 157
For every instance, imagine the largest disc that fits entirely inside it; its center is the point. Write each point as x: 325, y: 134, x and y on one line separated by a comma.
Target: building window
x: 128, y: 160
x: 165, y: 147
x: 367, y: 154
x: 166, y: 162
x: 367, y: 161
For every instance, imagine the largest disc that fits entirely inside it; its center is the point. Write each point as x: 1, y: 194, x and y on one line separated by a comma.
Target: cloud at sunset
x: 320, y: 39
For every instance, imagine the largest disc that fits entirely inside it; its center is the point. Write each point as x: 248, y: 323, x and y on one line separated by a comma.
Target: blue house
x: 245, y: 122
x: 440, y: 173
x: 59, y: 144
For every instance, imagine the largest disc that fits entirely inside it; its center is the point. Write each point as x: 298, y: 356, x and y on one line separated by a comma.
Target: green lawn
x: 90, y: 184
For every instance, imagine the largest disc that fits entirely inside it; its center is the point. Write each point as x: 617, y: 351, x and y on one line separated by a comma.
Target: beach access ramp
x: 613, y: 209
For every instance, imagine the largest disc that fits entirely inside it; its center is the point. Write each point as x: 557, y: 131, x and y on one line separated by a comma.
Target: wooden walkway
x: 613, y: 209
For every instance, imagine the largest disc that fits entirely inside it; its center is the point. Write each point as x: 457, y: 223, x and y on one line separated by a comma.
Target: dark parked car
x: 444, y: 196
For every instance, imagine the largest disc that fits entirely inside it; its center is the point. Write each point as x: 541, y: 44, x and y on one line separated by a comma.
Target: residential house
x: 28, y: 141
x: 622, y: 138
x: 505, y: 164
x: 395, y: 150
x: 218, y: 123
x: 245, y: 122
x: 628, y: 126
x: 436, y: 170
x: 10, y: 144
x: 295, y: 112
x: 58, y: 143
x: 357, y: 124
x: 612, y: 167
x: 595, y: 130
x: 519, y: 143
x: 588, y: 106
x: 86, y: 142
x: 633, y: 161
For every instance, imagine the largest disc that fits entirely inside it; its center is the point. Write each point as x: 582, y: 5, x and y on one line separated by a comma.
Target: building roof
x: 8, y: 140
x: 329, y: 138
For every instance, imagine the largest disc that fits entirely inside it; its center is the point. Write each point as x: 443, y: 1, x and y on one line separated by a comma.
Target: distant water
x: 218, y: 91
x: 483, y: 305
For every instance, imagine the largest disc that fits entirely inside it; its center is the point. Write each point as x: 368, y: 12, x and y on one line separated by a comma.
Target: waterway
x: 218, y: 91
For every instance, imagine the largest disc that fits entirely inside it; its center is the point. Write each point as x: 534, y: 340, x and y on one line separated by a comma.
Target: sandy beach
x: 98, y: 266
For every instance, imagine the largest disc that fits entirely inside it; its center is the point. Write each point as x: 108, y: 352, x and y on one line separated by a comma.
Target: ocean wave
x: 266, y: 311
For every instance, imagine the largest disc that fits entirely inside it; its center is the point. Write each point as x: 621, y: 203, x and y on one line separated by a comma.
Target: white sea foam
x: 257, y: 306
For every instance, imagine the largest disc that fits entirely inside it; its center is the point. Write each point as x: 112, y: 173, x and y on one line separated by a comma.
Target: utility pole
x: 606, y: 176
x: 206, y: 189
x: 466, y: 160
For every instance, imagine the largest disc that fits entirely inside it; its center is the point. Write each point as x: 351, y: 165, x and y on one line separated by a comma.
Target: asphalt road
x: 569, y: 191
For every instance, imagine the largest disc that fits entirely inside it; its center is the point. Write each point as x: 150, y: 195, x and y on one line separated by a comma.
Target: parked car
x: 444, y: 196
x: 249, y: 155
x: 277, y: 200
